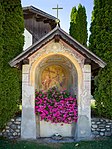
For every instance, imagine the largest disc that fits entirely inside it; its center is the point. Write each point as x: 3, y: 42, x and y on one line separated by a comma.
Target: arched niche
x: 56, y: 71
x: 71, y: 65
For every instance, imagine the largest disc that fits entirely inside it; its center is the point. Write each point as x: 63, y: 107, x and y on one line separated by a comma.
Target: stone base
x: 48, y: 129
x: 28, y: 124
x: 83, y: 128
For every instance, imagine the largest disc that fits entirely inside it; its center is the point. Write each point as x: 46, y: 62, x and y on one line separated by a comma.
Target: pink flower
x: 56, y: 108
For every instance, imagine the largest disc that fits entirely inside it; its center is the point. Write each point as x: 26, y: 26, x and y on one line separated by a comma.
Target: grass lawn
x: 97, y: 144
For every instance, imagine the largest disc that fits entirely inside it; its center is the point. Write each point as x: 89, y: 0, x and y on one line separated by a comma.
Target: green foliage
x: 58, y: 95
x: 1, y: 40
x: 100, y: 43
x: 13, y: 40
x: 73, y: 14
x: 78, y: 24
x: 13, y: 29
x: 73, y: 27
x: 103, y: 91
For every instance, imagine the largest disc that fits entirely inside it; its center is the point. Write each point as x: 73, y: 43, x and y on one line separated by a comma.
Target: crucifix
x: 57, y: 8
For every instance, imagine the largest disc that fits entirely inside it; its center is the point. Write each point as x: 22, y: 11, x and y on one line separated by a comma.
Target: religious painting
x: 53, y: 76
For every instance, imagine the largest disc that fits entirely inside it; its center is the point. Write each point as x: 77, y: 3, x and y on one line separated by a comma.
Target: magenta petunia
x: 55, y: 106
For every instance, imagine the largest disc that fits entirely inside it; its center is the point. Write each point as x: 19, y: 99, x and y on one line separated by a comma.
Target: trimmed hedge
x: 103, y: 92
x: 11, y: 31
x: 100, y: 43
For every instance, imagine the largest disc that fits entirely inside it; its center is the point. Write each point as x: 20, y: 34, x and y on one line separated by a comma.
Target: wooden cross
x: 57, y: 8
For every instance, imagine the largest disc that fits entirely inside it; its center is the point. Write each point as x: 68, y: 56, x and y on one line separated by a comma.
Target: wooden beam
x: 87, y: 61
x: 57, y: 38
x: 29, y: 16
x: 40, y: 19
x: 25, y: 61
x: 47, y: 21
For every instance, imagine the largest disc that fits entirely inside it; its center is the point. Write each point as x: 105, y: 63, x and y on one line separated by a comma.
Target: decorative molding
x: 57, y: 48
x: 85, y: 102
x: 56, y: 59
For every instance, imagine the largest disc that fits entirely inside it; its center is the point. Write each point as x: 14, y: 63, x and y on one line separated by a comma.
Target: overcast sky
x: 64, y: 15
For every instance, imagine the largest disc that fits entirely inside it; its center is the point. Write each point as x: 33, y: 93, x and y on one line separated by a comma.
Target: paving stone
x: 17, y: 122
x: 7, y: 127
x: 101, y: 126
x: 108, y: 129
x: 15, y: 133
x: 108, y: 126
x: 11, y: 130
x: 3, y: 130
x: 107, y: 120
x: 9, y: 134
x: 19, y: 127
x: 17, y: 130
x: 93, y: 129
x: 93, y: 122
x: 9, y: 123
x: 108, y: 133
x: 102, y: 130
x: 95, y: 132
x: 98, y: 122
x: 7, y: 130
x: 102, y: 133
x: 98, y: 129
x: 18, y: 119
x: 13, y: 126
x: 94, y: 126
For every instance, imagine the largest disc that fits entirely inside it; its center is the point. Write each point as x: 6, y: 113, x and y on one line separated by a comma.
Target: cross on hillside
x: 57, y: 8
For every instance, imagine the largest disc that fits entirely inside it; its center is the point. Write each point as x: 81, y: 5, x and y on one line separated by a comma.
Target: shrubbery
x: 100, y: 43
x: 11, y: 32
x: 103, y: 92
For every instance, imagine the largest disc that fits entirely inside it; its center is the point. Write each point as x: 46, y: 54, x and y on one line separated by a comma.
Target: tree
x: 100, y: 43
x: 72, y: 30
x: 103, y: 91
x: 78, y: 24
x: 1, y: 40
x: 1, y: 45
x: 13, y: 41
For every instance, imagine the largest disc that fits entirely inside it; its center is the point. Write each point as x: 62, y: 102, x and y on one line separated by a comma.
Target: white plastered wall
x: 27, y: 39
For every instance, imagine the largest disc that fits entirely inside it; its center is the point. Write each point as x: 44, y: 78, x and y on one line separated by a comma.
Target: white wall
x: 48, y: 129
x: 28, y: 39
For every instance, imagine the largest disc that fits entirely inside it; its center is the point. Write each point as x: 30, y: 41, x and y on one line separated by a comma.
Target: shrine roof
x: 56, y: 33
x: 31, y: 11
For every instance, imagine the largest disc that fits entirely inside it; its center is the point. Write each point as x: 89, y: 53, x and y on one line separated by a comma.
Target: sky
x: 64, y: 14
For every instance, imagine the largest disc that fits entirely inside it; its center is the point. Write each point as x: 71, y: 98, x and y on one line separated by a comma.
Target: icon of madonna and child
x: 54, y: 76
